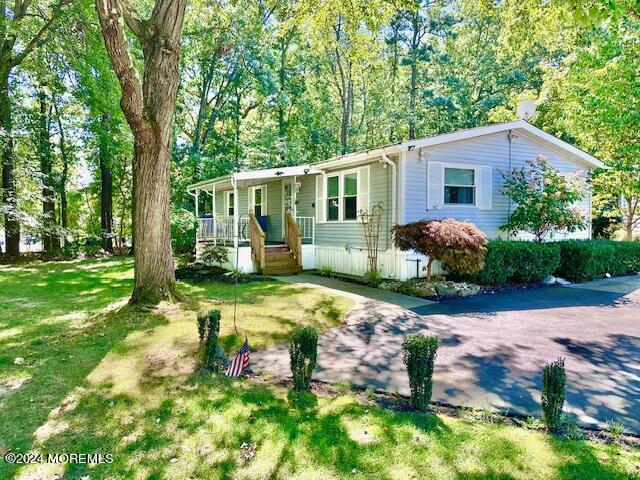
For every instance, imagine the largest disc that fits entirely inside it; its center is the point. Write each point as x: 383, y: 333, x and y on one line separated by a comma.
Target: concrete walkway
x: 493, y: 347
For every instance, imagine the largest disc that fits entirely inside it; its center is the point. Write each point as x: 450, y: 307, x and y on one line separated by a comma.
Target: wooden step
x: 278, y: 256
x: 275, y: 248
x: 284, y: 270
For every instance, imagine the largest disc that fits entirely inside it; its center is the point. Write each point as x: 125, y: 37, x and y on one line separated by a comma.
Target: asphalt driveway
x: 493, y: 347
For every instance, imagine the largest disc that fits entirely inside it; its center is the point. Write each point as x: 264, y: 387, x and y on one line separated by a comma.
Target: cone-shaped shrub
x: 419, y: 355
x: 554, y: 381
x: 208, y: 331
x: 303, y: 351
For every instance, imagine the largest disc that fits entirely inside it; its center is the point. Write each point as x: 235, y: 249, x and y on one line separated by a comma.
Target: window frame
x: 227, y: 196
x: 341, y: 174
x: 459, y: 166
x: 337, y: 175
x: 251, y: 200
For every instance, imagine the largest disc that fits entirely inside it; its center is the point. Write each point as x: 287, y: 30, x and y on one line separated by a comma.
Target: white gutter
x: 394, y: 184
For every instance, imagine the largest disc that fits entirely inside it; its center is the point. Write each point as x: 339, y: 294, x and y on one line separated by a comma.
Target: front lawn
x: 97, y: 377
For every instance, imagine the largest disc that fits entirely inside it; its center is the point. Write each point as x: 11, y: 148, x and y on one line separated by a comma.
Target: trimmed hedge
x: 591, y: 259
x: 515, y: 262
x: 575, y: 260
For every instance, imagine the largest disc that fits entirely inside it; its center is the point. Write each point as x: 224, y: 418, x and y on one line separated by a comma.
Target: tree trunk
x: 64, y: 155
x: 415, y: 43
x: 11, y: 224
x: 49, y: 237
x: 106, y: 190
x: 149, y: 110
x: 154, y: 272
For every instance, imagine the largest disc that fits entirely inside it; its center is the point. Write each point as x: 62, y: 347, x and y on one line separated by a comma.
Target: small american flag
x: 241, y: 361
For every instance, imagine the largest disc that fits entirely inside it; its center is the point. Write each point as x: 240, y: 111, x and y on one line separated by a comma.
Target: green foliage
x: 183, y: 230
x: 373, y: 279
x: 326, y: 271
x: 554, y: 380
x: 215, y: 254
x: 419, y: 356
x: 543, y: 200
x: 515, y: 262
x: 590, y: 259
x: 458, y: 244
x: 237, y: 274
x: 208, y: 332
x: 303, y: 351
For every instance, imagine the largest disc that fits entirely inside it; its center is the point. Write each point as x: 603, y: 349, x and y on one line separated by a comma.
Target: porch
x: 221, y: 229
x: 269, y: 211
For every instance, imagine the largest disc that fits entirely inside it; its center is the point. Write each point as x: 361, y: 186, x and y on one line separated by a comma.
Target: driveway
x: 493, y: 347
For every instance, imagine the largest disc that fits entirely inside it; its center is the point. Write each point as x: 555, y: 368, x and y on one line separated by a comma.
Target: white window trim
x: 228, y: 194
x: 251, y: 198
x: 340, y: 176
x: 462, y: 166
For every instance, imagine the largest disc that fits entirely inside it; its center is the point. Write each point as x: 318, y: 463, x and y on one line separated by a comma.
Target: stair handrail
x: 293, y: 237
x: 256, y: 238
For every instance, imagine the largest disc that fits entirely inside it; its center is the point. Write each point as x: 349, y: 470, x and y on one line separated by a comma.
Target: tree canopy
x: 278, y: 82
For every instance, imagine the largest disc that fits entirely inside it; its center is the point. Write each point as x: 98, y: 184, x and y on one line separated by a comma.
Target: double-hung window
x: 257, y: 200
x: 459, y: 186
x: 350, y: 196
x: 333, y: 198
x: 230, y: 203
x: 342, y: 197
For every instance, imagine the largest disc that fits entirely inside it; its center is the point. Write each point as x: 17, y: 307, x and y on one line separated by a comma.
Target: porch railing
x: 306, y: 226
x: 258, y: 253
x: 220, y: 228
x: 293, y: 237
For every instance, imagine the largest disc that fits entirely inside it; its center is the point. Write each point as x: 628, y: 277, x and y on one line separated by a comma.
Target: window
x: 257, y: 201
x: 341, y: 196
x: 333, y: 198
x: 230, y: 203
x: 459, y: 186
x: 350, y: 196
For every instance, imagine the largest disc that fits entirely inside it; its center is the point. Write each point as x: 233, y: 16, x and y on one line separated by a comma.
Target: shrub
x: 303, y: 351
x: 514, y: 262
x: 208, y: 331
x: 326, y: 271
x: 419, y: 356
x: 183, y: 230
x: 215, y: 254
x: 554, y: 380
x: 458, y: 244
x: 590, y: 259
x: 543, y: 199
x: 373, y: 278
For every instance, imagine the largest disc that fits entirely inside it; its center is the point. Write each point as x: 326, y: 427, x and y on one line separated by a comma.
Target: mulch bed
x: 401, y: 404
x: 196, y: 272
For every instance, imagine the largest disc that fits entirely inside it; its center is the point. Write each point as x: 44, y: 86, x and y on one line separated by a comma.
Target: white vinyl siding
x: 490, y: 155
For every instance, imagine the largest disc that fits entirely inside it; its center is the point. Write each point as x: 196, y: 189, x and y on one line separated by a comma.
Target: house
x: 283, y: 220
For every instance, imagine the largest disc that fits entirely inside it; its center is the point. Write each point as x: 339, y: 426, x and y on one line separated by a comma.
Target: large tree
x: 149, y: 109
x: 23, y: 28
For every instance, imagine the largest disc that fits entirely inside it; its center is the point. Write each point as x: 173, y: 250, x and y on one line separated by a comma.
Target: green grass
x: 125, y: 382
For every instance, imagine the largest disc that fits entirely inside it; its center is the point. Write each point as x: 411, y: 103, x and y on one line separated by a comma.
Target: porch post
x: 213, y: 213
x: 294, y: 196
x: 236, y: 205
